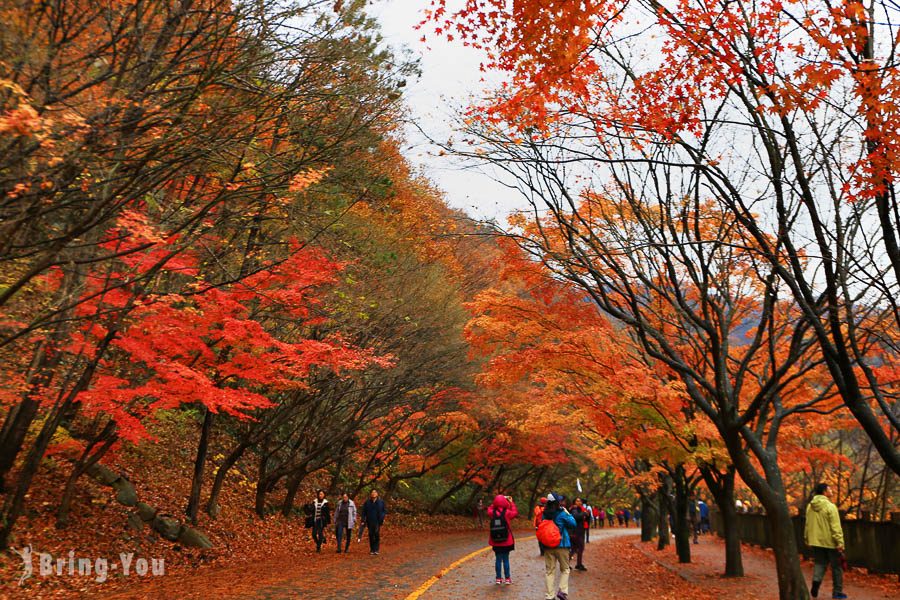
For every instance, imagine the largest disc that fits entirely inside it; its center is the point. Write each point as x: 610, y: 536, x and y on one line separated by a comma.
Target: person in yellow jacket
x: 824, y: 536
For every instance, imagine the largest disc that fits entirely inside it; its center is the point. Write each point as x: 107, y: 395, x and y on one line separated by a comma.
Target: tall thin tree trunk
x: 662, y: 517
x: 193, y: 505
x: 212, y: 505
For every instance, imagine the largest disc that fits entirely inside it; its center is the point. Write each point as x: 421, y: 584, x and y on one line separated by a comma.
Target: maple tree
x: 777, y: 115
x: 541, y: 330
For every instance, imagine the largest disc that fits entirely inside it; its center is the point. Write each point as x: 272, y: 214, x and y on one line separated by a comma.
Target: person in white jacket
x: 344, y: 521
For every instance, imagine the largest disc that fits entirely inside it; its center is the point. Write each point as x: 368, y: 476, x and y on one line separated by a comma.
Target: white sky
x: 450, y: 77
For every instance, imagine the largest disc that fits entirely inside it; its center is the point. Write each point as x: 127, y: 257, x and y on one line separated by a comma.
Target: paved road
x: 475, y: 577
x: 402, y: 568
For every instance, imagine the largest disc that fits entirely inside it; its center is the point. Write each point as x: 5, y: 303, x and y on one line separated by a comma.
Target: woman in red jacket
x: 500, y: 513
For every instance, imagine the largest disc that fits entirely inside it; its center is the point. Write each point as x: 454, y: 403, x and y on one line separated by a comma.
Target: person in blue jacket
x: 559, y: 555
x: 373, y: 513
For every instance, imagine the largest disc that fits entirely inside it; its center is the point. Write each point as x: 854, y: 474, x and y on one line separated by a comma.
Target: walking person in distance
x: 344, y: 521
x: 373, y: 513
x: 577, y: 535
x: 321, y: 513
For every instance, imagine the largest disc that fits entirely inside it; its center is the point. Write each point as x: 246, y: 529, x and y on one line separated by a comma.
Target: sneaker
x: 499, y: 581
x: 581, y: 567
x: 507, y: 581
x: 839, y: 595
x: 562, y: 595
x: 376, y: 553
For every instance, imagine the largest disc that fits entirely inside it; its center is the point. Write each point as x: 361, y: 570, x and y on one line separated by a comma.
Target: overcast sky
x: 450, y: 78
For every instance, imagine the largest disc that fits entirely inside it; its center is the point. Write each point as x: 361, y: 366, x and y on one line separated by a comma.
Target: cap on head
x: 554, y: 497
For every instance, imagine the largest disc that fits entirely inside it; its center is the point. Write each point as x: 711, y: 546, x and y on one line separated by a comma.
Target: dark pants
x: 339, y: 532
x: 587, y: 534
x: 822, y: 557
x: 374, y: 536
x: 577, y: 549
x: 319, y: 533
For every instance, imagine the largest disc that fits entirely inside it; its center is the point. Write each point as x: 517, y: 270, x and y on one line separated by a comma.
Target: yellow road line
x: 433, y: 580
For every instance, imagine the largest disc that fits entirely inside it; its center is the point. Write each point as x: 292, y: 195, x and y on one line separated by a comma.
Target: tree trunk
x: 453, y: 489
x: 212, y: 505
x: 680, y: 522
x: 15, y: 502
x: 262, y: 485
x: 662, y: 518
x: 721, y: 486
x: 532, y: 500
x: 791, y: 580
x: 84, y: 462
x: 193, y: 505
x: 292, y: 487
x: 19, y: 420
x: 648, y: 518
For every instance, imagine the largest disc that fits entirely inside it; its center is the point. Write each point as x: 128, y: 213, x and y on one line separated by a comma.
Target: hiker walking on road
x: 577, y: 536
x: 558, y: 554
x: 344, y: 521
x: 501, y: 511
x: 703, y: 509
x: 824, y: 536
x: 478, y: 514
x: 536, y: 519
x: 321, y: 513
x: 373, y: 513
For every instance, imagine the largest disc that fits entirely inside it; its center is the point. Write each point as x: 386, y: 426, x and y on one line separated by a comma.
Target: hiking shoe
x: 507, y: 581
x: 562, y: 595
x: 499, y: 581
x: 839, y: 595
x: 581, y: 567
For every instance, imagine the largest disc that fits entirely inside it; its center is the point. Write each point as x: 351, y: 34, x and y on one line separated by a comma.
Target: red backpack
x: 548, y: 534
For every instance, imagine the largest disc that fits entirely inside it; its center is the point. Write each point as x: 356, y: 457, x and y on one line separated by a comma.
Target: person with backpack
x: 321, y: 517
x: 611, y: 517
x: 536, y: 519
x: 501, y: 511
x: 553, y: 533
x: 373, y: 513
x: 825, y: 537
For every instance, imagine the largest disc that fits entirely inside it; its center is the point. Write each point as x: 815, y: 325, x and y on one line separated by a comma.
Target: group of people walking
x: 562, y: 528
x: 319, y: 517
